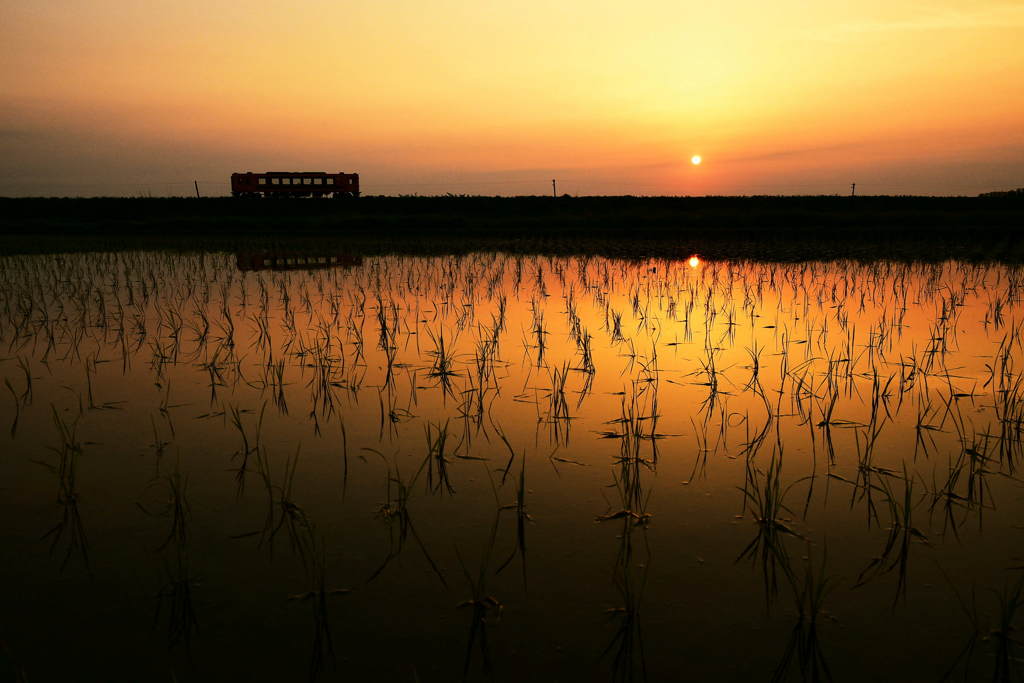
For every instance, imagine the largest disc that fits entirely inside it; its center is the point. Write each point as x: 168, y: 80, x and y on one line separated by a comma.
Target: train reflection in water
x: 268, y: 260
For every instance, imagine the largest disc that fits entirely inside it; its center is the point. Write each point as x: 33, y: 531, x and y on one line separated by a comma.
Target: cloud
x: 998, y: 17
x: 795, y: 153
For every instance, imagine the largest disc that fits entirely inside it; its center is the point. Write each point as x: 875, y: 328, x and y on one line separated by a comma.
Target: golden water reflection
x: 607, y: 456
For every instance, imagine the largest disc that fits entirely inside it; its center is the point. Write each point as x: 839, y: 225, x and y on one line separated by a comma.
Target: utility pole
x: 197, y: 188
x: 554, y: 189
x: 853, y: 189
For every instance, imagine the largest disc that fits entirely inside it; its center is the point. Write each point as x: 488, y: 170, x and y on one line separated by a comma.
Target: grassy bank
x: 777, y: 228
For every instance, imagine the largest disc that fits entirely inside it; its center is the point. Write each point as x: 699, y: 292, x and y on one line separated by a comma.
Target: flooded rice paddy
x: 255, y: 467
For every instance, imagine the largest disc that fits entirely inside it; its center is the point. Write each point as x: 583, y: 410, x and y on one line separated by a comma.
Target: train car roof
x: 292, y: 173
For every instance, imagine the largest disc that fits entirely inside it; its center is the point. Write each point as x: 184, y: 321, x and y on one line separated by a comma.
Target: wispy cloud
x: 794, y: 153
x: 1009, y: 16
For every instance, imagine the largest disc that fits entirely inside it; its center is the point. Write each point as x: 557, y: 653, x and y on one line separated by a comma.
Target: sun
x: 695, y: 160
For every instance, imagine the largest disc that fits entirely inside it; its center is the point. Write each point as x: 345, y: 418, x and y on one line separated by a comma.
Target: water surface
x: 284, y: 466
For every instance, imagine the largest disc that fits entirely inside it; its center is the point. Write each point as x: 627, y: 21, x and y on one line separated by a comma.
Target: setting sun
x: 695, y: 160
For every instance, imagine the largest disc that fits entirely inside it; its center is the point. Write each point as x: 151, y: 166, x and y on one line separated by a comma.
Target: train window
x: 263, y: 181
x: 275, y: 181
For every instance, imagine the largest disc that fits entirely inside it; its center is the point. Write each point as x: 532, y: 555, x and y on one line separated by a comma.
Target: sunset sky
x: 130, y: 97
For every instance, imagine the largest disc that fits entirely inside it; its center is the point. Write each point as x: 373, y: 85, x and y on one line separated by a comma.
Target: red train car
x: 295, y: 184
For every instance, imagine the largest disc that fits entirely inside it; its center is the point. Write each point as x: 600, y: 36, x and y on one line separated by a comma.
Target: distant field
x: 776, y: 228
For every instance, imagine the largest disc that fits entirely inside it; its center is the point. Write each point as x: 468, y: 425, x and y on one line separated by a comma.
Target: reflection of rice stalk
x: 484, y: 357
x: 764, y: 496
x: 586, y: 353
x: 288, y: 514
x: 627, y: 643
x: 273, y: 378
x: 616, y: 327
x: 969, y: 470
x: 26, y: 396
x: 629, y: 661
x: 344, y: 459
x: 443, y: 367
x: 804, y: 648
x: 437, y: 458
x: 634, y: 415
x: 226, y: 328
x: 70, y: 528
x: 1003, y: 644
x: 23, y: 399
x: 481, y: 604
x: 558, y: 406
x: 755, y: 365
x: 317, y: 597
x: 395, y: 512
x: 175, y: 599
x: 248, y: 447
x: 519, y: 508
x: 17, y: 408
x: 387, y: 325
x: 711, y: 378
x: 1008, y: 402
x: 924, y: 430
x: 444, y: 356
x: 627, y: 476
x: 175, y: 507
x: 540, y: 333
x: 895, y: 554
x: 754, y: 439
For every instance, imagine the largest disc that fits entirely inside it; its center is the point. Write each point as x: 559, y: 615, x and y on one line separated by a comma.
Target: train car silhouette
x: 295, y: 184
x: 293, y: 260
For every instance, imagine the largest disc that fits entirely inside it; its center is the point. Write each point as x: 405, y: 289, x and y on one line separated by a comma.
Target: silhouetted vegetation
x: 776, y: 228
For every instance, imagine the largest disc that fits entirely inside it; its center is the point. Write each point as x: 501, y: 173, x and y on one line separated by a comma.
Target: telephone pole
x: 554, y: 190
x: 853, y: 189
x: 196, y: 182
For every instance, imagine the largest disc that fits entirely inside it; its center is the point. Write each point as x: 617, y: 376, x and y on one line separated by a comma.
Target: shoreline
x: 764, y: 228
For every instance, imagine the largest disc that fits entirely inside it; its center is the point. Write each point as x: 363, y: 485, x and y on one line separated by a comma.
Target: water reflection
x: 290, y: 260
x: 518, y: 437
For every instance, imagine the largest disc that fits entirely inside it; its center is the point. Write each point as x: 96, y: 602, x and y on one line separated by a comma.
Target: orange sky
x: 129, y: 97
